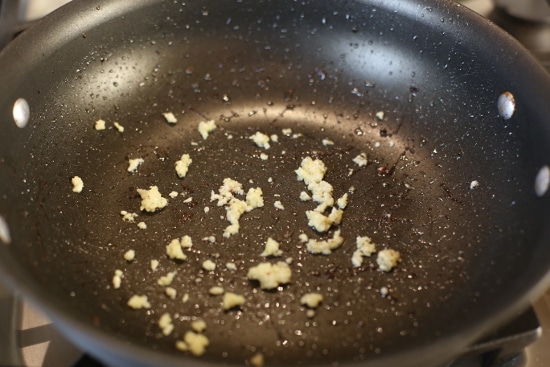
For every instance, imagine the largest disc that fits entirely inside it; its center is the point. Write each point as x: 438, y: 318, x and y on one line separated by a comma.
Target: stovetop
x: 34, y: 341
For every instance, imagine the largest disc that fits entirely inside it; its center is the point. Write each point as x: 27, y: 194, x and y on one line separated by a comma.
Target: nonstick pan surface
x: 448, y: 184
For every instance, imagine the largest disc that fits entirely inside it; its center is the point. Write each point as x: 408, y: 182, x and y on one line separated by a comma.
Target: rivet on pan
x: 542, y: 182
x: 21, y: 112
x: 506, y: 105
x: 5, y: 236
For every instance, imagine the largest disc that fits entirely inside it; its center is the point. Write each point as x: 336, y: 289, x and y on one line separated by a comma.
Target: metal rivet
x: 21, y: 112
x: 506, y: 105
x: 5, y: 236
x: 542, y: 182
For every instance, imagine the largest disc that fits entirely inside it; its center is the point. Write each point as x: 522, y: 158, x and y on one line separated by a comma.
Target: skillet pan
x: 449, y: 181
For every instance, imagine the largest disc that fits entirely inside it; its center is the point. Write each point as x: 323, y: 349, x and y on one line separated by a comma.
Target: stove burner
x: 505, y: 346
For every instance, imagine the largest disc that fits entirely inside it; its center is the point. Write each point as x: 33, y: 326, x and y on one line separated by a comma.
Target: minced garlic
x: 138, y: 302
x: 279, y: 205
x: 311, y: 300
x: 198, y: 326
x: 133, y: 164
x: 182, y: 166
x: 174, y: 249
x: 327, y: 246
x: 154, y: 264
x: 206, y: 127
x: 312, y: 173
x: 170, y: 292
x: 365, y: 247
x: 117, y: 279
x: 170, y: 118
x: 271, y: 248
x: 99, y: 125
x: 78, y: 184
x: 129, y: 255
x: 321, y: 222
x: 165, y: 324
x: 216, y: 291
x: 387, y: 259
x: 235, y: 207
x: 193, y: 342
x: 167, y: 279
x: 270, y: 275
x: 232, y: 300
x: 119, y: 127
x: 257, y: 360
x: 261, y: 140
x: 303, y: 237
x: 304, y: 196
x: 361, y: 160
x: 128, y: 217
x: 342, y: 202
x: 209, y: 265
x: 311, y: 170
x: 151, y: 200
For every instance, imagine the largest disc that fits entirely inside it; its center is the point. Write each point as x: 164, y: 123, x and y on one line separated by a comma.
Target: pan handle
x: 9, y: 20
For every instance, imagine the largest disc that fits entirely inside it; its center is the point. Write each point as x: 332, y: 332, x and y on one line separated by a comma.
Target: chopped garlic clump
x: 257, y: 360
x: 361, y: 160
x: 99, y: 125
x: 133, y: 164
x: 117, y: 278
x: 119, y: 127
x: 170, y: 118
x: 261, y: 140
x: 165, y: 324
x: 388, y: 259
x: 174, y: 250
x: 182, y: 166
x: 209, y: 265
x: 128, y: 217
x: 270, y: 275
x: 327, y: 246
x: 193, y: 342
x: 151, y: 200
x: 78, y: 184
x: 232, y: 300
x: 365, y: 247
x: 311, y: 300
x: 198, y: 326
x: 271, y: 248
x: 235, y: 207
x: 167, y: 279
x: 206, y: 127
x: 216, y: 291
x: 129, y: 255
x: 138, y: 302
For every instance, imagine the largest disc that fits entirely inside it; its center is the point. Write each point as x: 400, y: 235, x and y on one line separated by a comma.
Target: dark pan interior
x: 324, y: 70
